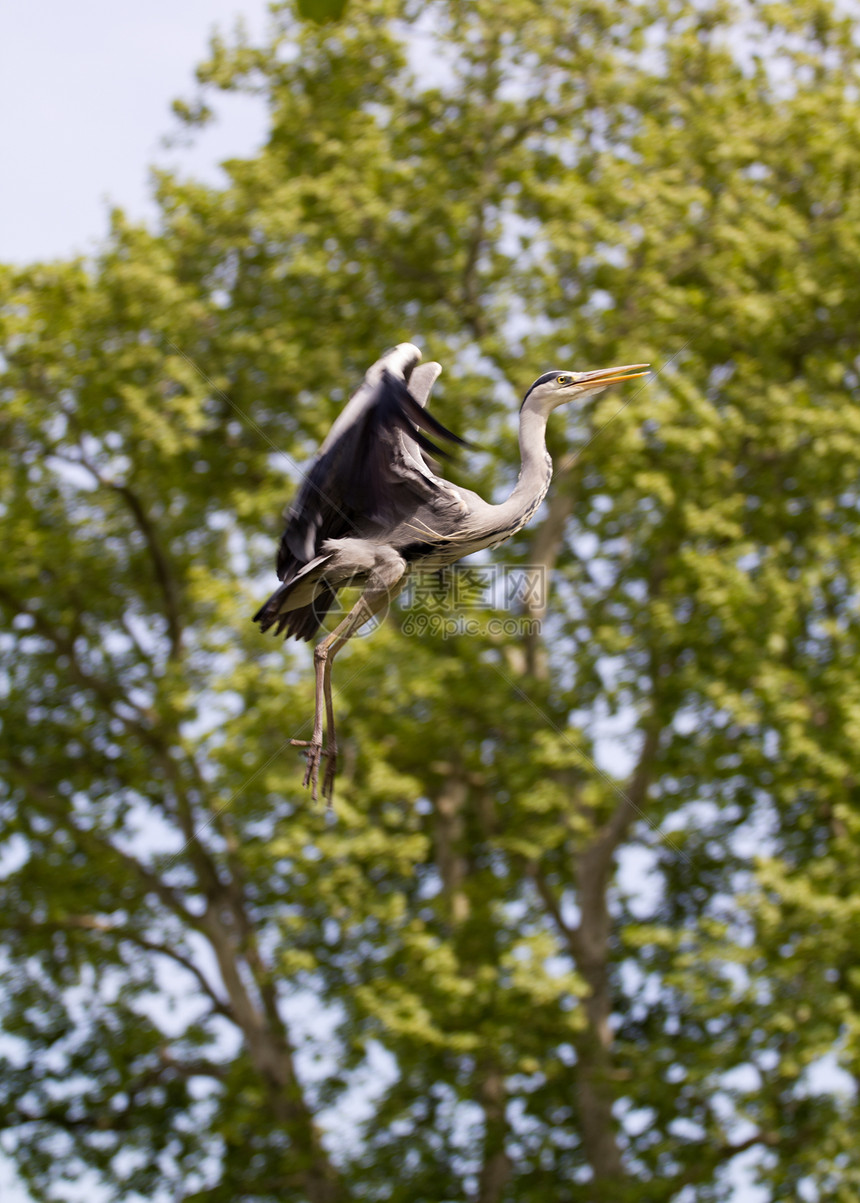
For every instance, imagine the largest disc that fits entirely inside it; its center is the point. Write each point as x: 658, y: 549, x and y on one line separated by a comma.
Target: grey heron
x: 371, y: 509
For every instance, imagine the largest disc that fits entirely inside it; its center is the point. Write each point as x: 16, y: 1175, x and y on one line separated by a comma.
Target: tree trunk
x: 496, y: 1167
x: 595, y: 1089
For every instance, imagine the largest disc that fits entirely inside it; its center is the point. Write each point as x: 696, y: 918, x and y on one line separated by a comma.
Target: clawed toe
x: 314, y: 753
x: 330, y: 772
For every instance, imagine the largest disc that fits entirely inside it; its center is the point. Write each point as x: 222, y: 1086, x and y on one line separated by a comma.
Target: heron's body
x: 372, y: 509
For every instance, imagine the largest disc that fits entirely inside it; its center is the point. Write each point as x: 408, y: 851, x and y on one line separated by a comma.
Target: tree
x: 592, y: 968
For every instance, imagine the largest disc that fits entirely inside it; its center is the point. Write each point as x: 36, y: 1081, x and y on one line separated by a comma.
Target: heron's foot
x: 314, y: 753
x: 330, y: 771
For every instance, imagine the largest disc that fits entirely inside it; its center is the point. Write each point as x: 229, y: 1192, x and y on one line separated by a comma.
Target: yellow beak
x: 605, y: 376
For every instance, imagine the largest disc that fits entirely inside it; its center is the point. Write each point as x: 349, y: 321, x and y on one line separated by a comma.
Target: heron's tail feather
x: 304, y: 623
x: 300, y: 604
x: 300, y: 623
x: 270, y: 609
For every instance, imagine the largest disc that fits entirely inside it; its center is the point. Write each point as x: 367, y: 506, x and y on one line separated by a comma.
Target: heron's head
x: 555, y: 388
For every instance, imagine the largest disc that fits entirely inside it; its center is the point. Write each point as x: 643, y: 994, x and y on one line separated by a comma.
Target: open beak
x: 605, y: 376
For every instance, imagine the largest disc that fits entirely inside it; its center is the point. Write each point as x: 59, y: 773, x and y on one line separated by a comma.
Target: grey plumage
x: 371, y: 507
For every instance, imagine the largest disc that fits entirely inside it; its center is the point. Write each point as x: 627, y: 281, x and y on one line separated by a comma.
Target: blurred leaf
x: 321, y: 11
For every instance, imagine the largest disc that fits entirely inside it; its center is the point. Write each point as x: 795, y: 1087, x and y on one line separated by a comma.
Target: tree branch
x: 569, y: 935
x: 631, y: 801
x: 111, y: 698
x: 122, y: 932
x: 161, y: 566
x: 91, y: 841
x: 545, y: 548
x: 711, y: 1156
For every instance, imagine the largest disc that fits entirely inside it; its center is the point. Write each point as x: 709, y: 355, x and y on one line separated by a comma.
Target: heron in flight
x: 372, y: 509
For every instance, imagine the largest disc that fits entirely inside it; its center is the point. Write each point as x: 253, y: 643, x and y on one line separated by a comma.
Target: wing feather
x: 368, y: 475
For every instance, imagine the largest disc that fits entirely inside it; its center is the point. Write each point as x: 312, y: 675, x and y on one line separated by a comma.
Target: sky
x: 85, y: 95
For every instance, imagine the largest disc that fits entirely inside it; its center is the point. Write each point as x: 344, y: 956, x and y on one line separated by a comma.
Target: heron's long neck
x: 534, y: 478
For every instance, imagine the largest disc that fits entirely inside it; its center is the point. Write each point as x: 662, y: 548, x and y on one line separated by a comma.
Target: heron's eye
x: 564, y: 379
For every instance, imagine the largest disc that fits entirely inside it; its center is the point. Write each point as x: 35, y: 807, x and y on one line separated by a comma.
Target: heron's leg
x: 385, y: 586
x: 314, y: 744
x: 366, y: 608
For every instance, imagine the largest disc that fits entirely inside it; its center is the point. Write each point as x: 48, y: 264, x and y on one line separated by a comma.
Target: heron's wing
x: 399, y: 361
x: 421, y: 382
x: 437, y: 496
x: 363, y: 481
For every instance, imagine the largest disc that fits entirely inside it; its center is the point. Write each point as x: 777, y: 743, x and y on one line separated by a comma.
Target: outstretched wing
x: 369, y: 474
x: 421, y: 382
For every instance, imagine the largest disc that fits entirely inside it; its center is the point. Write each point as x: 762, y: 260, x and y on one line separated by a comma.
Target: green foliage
x: 594, y: 969
x: 321, y: 10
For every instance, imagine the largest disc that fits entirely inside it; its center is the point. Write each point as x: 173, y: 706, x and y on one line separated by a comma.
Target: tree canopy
x: 585, y: 927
